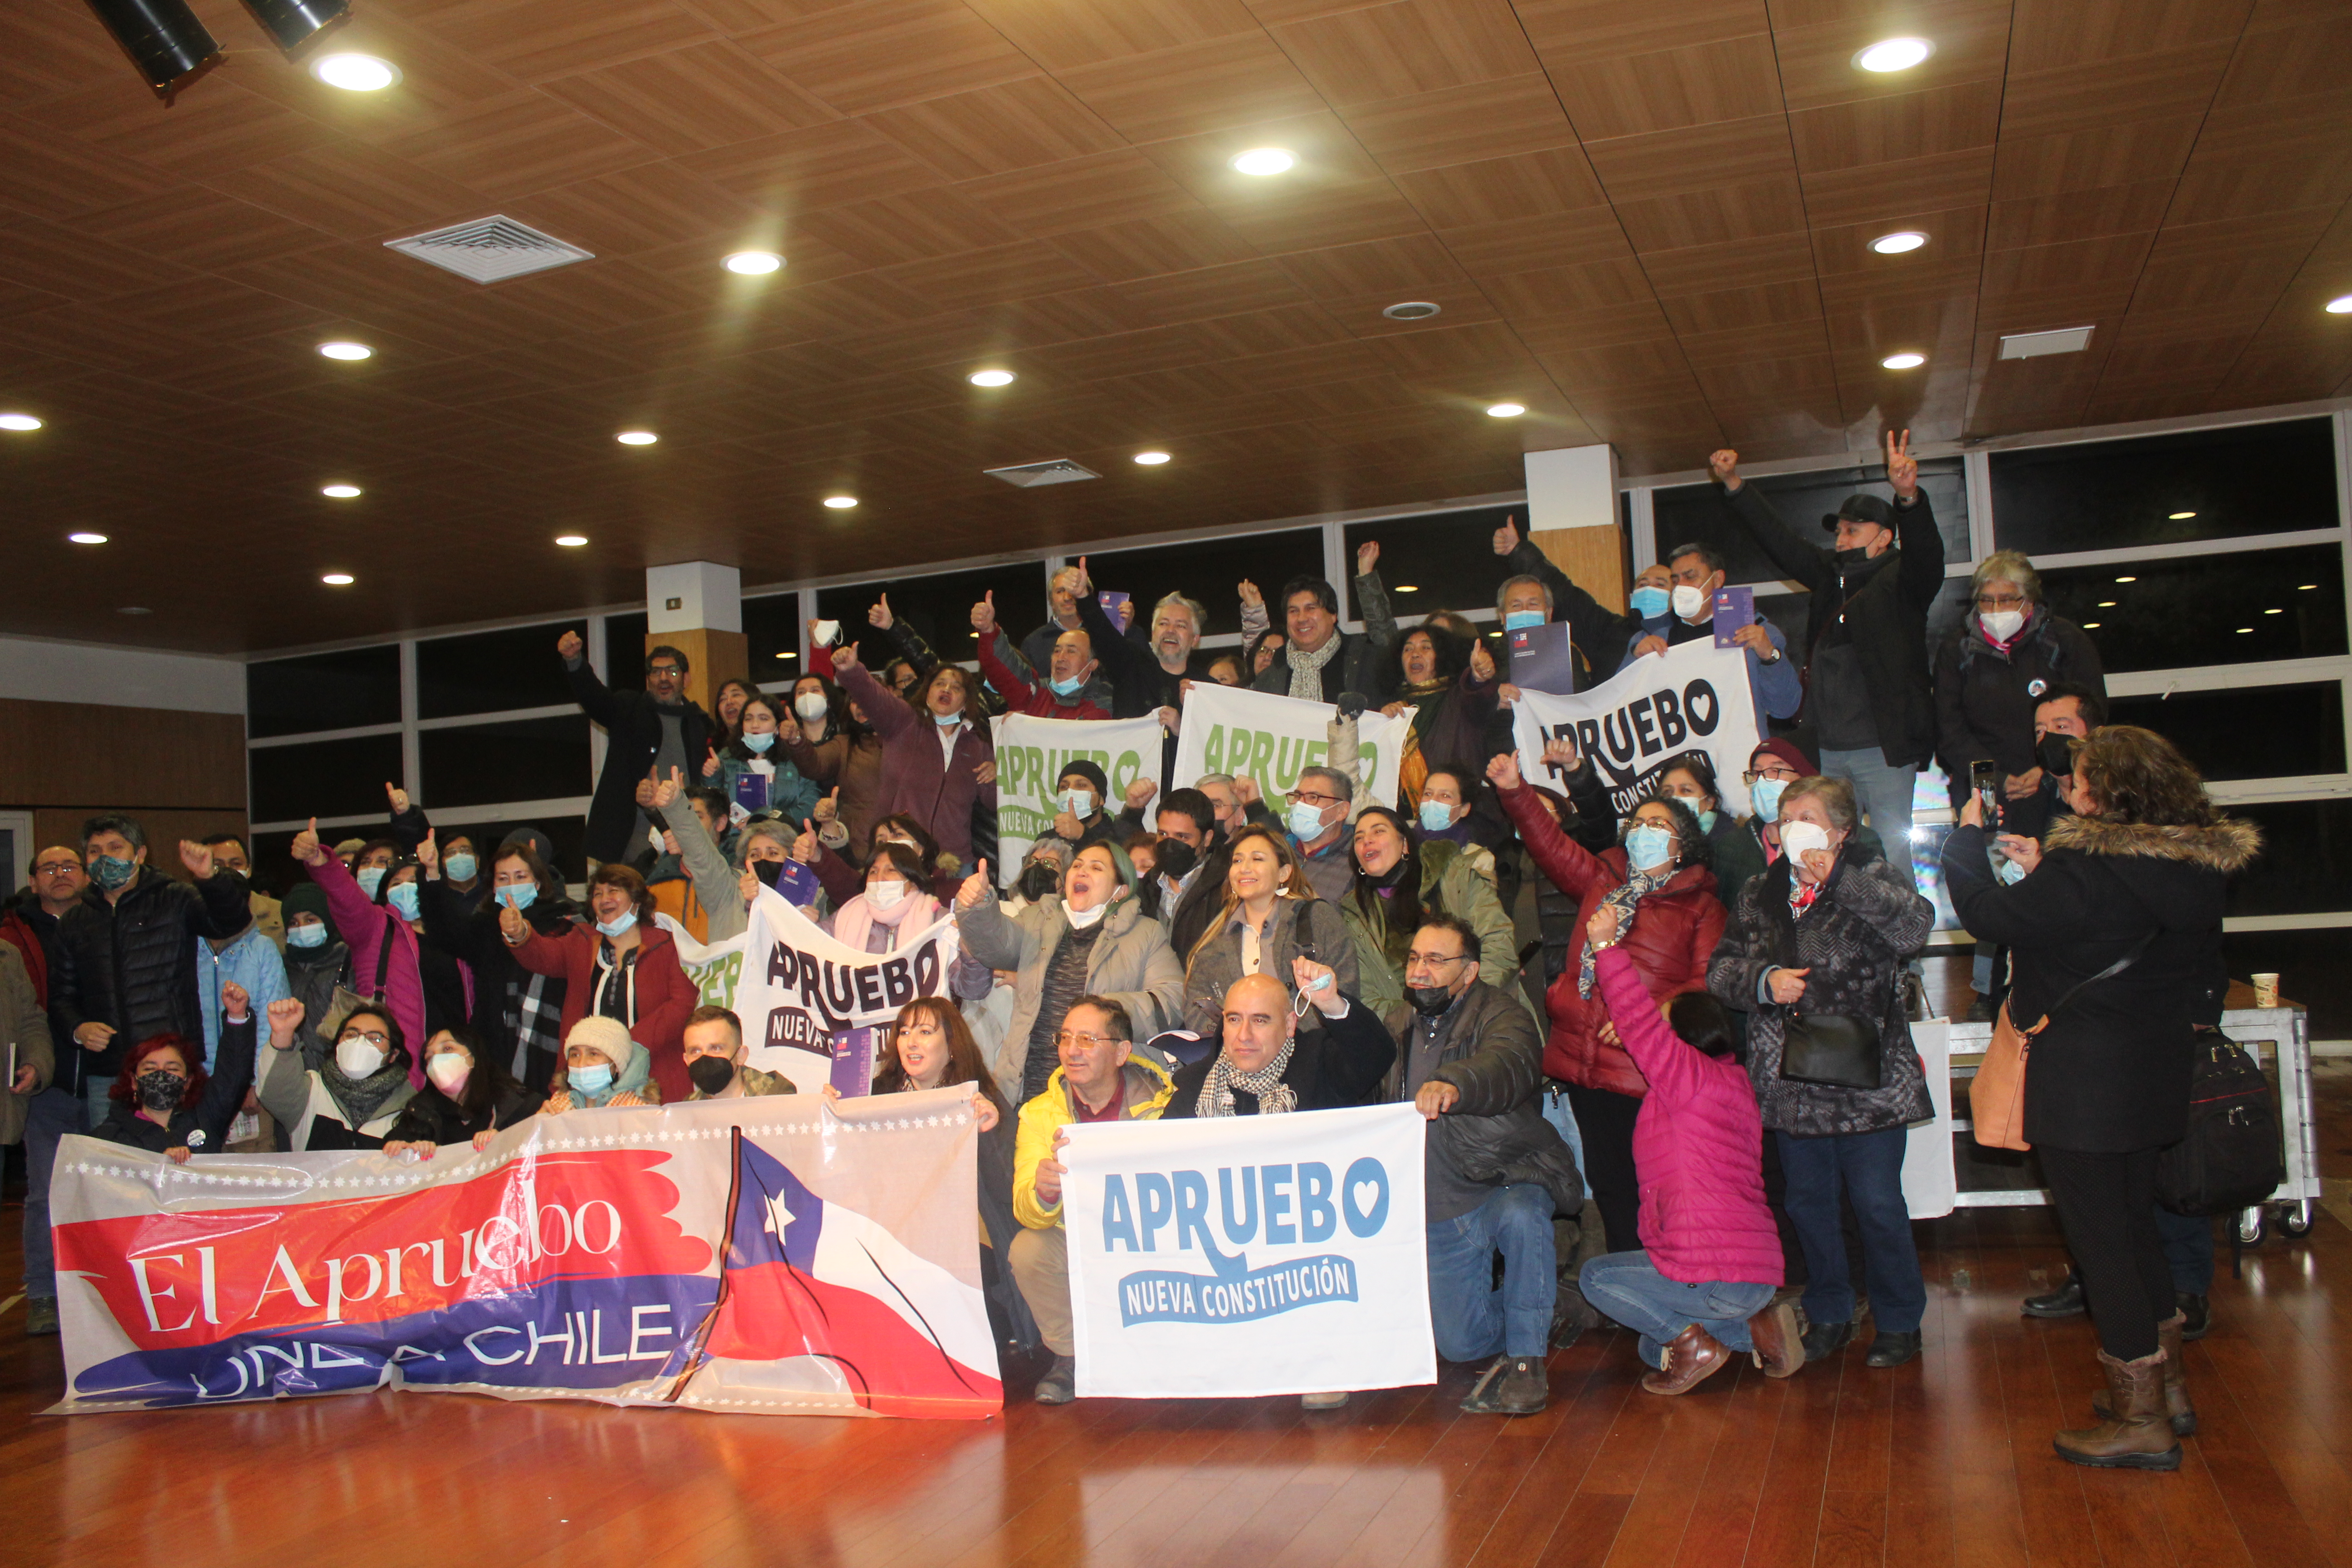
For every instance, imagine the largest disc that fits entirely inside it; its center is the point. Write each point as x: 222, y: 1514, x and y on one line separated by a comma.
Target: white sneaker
x: 1323, y: 1401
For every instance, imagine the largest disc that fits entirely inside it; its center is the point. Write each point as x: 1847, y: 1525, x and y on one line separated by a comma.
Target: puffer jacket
x: 1496, y: 1131
x: 1148, y: 1090
x: 1867, y: 922
x: 1130, y: 962
x: 132, y: 965
x: 1698, y: 1147
x: 1673, y: 934
x: 1985, y: 695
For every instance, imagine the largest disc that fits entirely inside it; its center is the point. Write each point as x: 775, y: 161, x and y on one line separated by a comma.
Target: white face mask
x: 2002, y: 625
x: 448, y: 1071
x: 1688, y: 601
x: 885, y: 895
x: 810, y: 705
x: 1082, y: 919
x: 1797, y: 837
x: 357, y: 1057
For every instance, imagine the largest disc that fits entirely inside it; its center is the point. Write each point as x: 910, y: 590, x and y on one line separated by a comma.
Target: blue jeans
x: 1474, y: 1321
x: 1553, y: 1100
x: 1868, y: 1168
x: 1882, y: 794
x: 48, y: 1117
x: 1628, y: 1287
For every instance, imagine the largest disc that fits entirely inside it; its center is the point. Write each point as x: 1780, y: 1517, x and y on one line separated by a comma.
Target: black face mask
x: 2055, y: 753
x: 767, y: 871
x: 1177, y: 858
x: 1037, y: 879
x: 1429, y: 1001
x: 161, y: 1090
x: 1855, y: 557
x: 711, y: 1074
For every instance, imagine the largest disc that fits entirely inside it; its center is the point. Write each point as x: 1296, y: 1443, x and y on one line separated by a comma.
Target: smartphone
x: 1985, y: 779
x: 826, y: 633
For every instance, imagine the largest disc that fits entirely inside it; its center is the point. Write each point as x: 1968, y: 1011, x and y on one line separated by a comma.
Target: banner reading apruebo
x: 1269, y: 738
x: 1694, y: 698
x: 1030, y: 756
x: 765, y: 1255
x: 1249, y: 1255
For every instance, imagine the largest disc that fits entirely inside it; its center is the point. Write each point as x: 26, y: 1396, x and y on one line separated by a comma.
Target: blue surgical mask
x: 1436, y: 816
x: 1304, y: 821
x: 1520, y: 620
x: 1067, y: 688
x: 760, y: 743
x: 1706, y: 820
x: 591, y: 1080
x: 307, y: 936
x: 519, y: 895
x: 619, y: 923
x: 110, y: 873
x: 1648, y: 847
x: 1078, y: 803
x: 460, y: 868
x: 2009, y: 872
x: 947, y: 720
x: 369, y: 879
x: 402, y: 900
x: 1764, y: 795
x: 1650, y: 603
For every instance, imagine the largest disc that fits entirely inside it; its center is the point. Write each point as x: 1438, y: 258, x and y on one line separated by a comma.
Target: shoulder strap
x: 383, y: 958
x: 2109, y: 973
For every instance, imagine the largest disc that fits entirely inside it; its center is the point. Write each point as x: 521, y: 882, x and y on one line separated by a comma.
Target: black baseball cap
x: 1859, y: 508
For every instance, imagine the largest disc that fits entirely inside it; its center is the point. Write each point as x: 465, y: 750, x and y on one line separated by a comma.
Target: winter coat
x: 1211, y: 969
x: 1495, y: 1132
x: 32, y: 930
x: 311, y: 1120
x: 132, y: 965
x: 1884, y: 604
x: 665, y: 996
x: 1359, y: 665
x: 1036, y: 698
x: 1698, y: 1147
x: 366, y: 925
x: 916, y: 779
x: 1130, y: 962
x: 432, y: 1117
x: 1985, y: 695
x: 24, y: 1041
x: 1339, y: 1064
x: 1674, y: 931
x: 852, y: 765
x: 1864, y: 924
x: 311, y: 976
x: 1451, y: 884
x: 202, y: 1128
x: 1146, y: 1089
x: 2111, y: 1072
x: 1740, y: 855
x: 632, y: 737
x: 471, y: 932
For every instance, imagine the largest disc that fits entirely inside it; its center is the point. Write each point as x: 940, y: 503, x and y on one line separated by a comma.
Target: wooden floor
x: 1946, y: 1461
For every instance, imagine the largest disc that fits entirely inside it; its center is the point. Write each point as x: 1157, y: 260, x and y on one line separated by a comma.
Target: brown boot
x: 1779, y: 1348
x: 2136, y: 1436
x: 2177, y: 1405
x: 1692, y: 1357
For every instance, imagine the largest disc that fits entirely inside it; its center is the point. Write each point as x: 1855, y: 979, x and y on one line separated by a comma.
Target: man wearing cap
x: 1868, y: 692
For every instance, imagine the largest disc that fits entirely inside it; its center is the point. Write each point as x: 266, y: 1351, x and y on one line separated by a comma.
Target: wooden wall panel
x: 125, y: 759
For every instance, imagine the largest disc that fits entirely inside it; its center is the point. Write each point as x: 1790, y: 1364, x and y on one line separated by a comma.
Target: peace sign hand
x: 1902, y: 468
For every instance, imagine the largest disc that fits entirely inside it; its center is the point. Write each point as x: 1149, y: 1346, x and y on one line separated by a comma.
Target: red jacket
x: 1673, y: 937
x: 665, y: 996
x: 1038, y: 702
x: 17, y: 931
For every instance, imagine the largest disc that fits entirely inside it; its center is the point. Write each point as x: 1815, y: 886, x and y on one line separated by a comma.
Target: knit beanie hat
x: 1090, y: 772
x: 611, y: 1036
x: 308, y: 897
x: 1789, y: 753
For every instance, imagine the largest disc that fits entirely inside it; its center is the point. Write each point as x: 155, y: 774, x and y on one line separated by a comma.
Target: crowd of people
x: 1707, y: 1032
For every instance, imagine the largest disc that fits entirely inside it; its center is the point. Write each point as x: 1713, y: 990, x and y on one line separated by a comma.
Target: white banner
x: 1030, y: 756
x: 1248, y: 1255
x: 1260, y: 735
x: 1693, y: 697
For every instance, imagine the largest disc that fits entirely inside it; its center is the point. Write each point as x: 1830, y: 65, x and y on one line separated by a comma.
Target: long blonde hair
x: 1293, y: 882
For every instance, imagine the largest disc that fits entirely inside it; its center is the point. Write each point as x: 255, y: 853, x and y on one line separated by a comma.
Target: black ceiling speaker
x: 294, y: 23
x: 162, y: 38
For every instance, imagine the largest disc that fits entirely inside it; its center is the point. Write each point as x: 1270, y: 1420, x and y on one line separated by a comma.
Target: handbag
x: 1997, y: 1094
x: 1831, y: 1049
x: 2233, y: 1157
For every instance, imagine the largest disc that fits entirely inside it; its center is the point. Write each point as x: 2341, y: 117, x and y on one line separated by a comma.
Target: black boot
x: 1823, y: 1341
x: 2066, y: 1302
x: 2198, y: 1312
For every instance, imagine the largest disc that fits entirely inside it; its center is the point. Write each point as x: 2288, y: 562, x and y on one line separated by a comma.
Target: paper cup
x: 2266, y: 990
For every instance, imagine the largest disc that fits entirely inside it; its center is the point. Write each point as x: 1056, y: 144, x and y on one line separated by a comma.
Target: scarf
x: 854, y: 922
x: 1623, y: 898
x: 1274, y: 1095
x: 1306, y: 668
x: 360, y: 1099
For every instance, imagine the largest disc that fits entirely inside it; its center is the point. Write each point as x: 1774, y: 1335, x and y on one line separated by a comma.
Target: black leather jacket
x: 132, y: 965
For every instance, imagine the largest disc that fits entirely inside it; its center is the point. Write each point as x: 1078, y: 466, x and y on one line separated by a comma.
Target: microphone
x: 1352, y: 704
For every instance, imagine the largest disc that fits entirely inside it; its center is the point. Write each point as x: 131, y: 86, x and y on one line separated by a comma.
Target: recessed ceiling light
x: 340, y: 492
x: 1505, y: 410
x: 1901, y: 240
x: 1406, y: 588
x: 2182, y: 516
x: 637, y: 438
x: 754, y: 263
x: 572, y: 540
x: 2275, y: 612
x: 2127, y: 579
x: 132, y: 610
x: 1903, y: 362
x: 347, y: 351
x: 1412, y: 310
x: 355, y: 73
x: 2304, y: 587
x: 1264, y: 161
x: 2107, y: 603
x: 788, y: 653
x: 841, y: 503
x: 337, y: 579
x: 2090, y: 625
x: 2340, y: 306
x: 86, y: 537
x: 1150, y: 459
x: 18, y: 422
x: 991, y: 378
x: 1893, y: 55
x: 2243, y: 630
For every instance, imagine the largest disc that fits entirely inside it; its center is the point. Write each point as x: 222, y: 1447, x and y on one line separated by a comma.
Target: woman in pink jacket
x: 1700, y: 1290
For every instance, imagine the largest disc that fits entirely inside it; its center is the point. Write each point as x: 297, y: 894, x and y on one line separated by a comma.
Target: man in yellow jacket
x: 1100, y: 1080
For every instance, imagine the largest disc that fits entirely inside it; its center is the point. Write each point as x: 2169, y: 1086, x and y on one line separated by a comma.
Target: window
x: 526, y: 759
x: 2229, y: 609
x: 492, y: 672
x: 2248, y: 732
x: 772, y: 636
x: 938, y: 609
x: 2306, y: 859
x: 2165, y: 490
x: 1211, y: 570
x: 1696, y: 513
x: 2311, y: 970
x: 324, y: 778
x: 1444, y: 560
x: 624, y: 651
x: 343, y: 691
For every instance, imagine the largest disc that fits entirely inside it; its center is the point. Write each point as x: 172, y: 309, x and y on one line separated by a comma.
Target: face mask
x: 1037, y: 879
x: 1688, y: 601
x: 1083, y: 919
x: 402, y: 900
x: 1706, y: 821
x: 450, y: 1072
x: 885, y: 895
x: 618, y: 923
x: 2055, y: 755
x: 1067, y: 688
x: 591, y: 1081
x: 1177, y: 859
x: 810, y: 705
x: 759, y: 745
x: 1520, y: 620
x: 1436, y: 816
x: 369, y: 880
x: 1650, y: 602
x: 1649, y: 845
x: 110, y: 873
x: 947, y: 720
x: 1304, y: 821
x: 1764, y: 795
x: 519, y: 895
x: 1078, y: 803
x: 2009, y: 872
x: 161, y: 1090
x: 460, y: 868
x: 1797, y: 837
x: 307, y: 936
x: 711, y: 1074
x: 357, y: 1058
x: 1429, y: 1001
x: 2002, y: 625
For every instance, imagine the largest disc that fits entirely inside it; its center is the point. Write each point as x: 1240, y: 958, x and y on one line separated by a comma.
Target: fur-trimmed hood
x: 2227, y: 846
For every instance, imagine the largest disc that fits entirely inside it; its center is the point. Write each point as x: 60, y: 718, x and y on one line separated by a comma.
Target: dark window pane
x: 771, y: 628
x: 2241, y: 609
x: 530, y: 759
x: 2111, y: 495
x: 624, y: 651
x: 1793, y: 613
x: 2306, y: 866
x: 489, y: 672
x: 2311, y: 970
x: 1210, y: 569
x: 323, y: 778
x: 938, y: 608
x: 2248, y: 732
x: 1696, y: 513
x: 1448, y: 558
x: 324, y: 691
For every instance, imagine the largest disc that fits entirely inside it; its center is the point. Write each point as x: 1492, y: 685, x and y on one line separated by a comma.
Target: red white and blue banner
x: 769, y: 1255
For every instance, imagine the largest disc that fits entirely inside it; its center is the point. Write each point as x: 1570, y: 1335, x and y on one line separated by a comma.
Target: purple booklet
x: 1114, y: 604
x: 1734, y: 609
x: 1542, y: 659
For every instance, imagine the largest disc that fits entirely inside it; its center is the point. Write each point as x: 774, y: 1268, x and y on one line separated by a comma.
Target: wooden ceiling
x: 1646, y: 220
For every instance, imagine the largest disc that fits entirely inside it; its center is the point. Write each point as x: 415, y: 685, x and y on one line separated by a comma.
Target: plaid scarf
x: 534, y: 1022
x: 1306, y: 668
x: 1623, y: 898
x: 1274, y: 1095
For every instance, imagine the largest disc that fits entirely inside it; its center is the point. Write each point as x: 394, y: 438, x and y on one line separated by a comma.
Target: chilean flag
x: 807, y: 1278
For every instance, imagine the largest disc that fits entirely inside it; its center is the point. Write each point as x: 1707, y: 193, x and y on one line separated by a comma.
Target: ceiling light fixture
x: 18, y: 422
x: 1264, y: 161
x: 2182, y: 516
x: 754, y: 263
x: 340, y: 492
x: 2340, y: 306
x: 1893, y: 55
x: 841, y: 503
x: 164, y: 41
x: 86, y: 537
x: 1152, y: 459
x: 1897, y: 243
x: 2127, y: 579
x: 572, y: 540
x: 2275, y: 612
x: 2107, y: 604
x: 788, y: 653
x: 991, y: 378
x: 1406, y: 588
x: 1903, y: 361
x: 2090, y: 625
x: 1505, y: 410
x: 355, y: 72
x: 132, y: 610
x: 347, y: 351
x: 1412, y: 310
x: 637, y: 438
x: 338, y: 579
x: 2243, y: 630
x: 2304, y: 587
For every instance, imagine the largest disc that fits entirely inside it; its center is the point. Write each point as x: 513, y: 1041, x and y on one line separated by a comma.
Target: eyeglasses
x: 56, y: 868
x: 1085, y: 1042
x: 663, y: 670
x: 1432, y: 959
x: 1778, y: 771
x: 1301, y: 797
x: 375, y: 1037
x: 2001, y: 601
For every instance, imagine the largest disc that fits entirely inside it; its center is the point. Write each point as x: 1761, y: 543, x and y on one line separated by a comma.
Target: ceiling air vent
x: 1055, y: 471
x: 2033, y: 346
x: 490, y: 249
